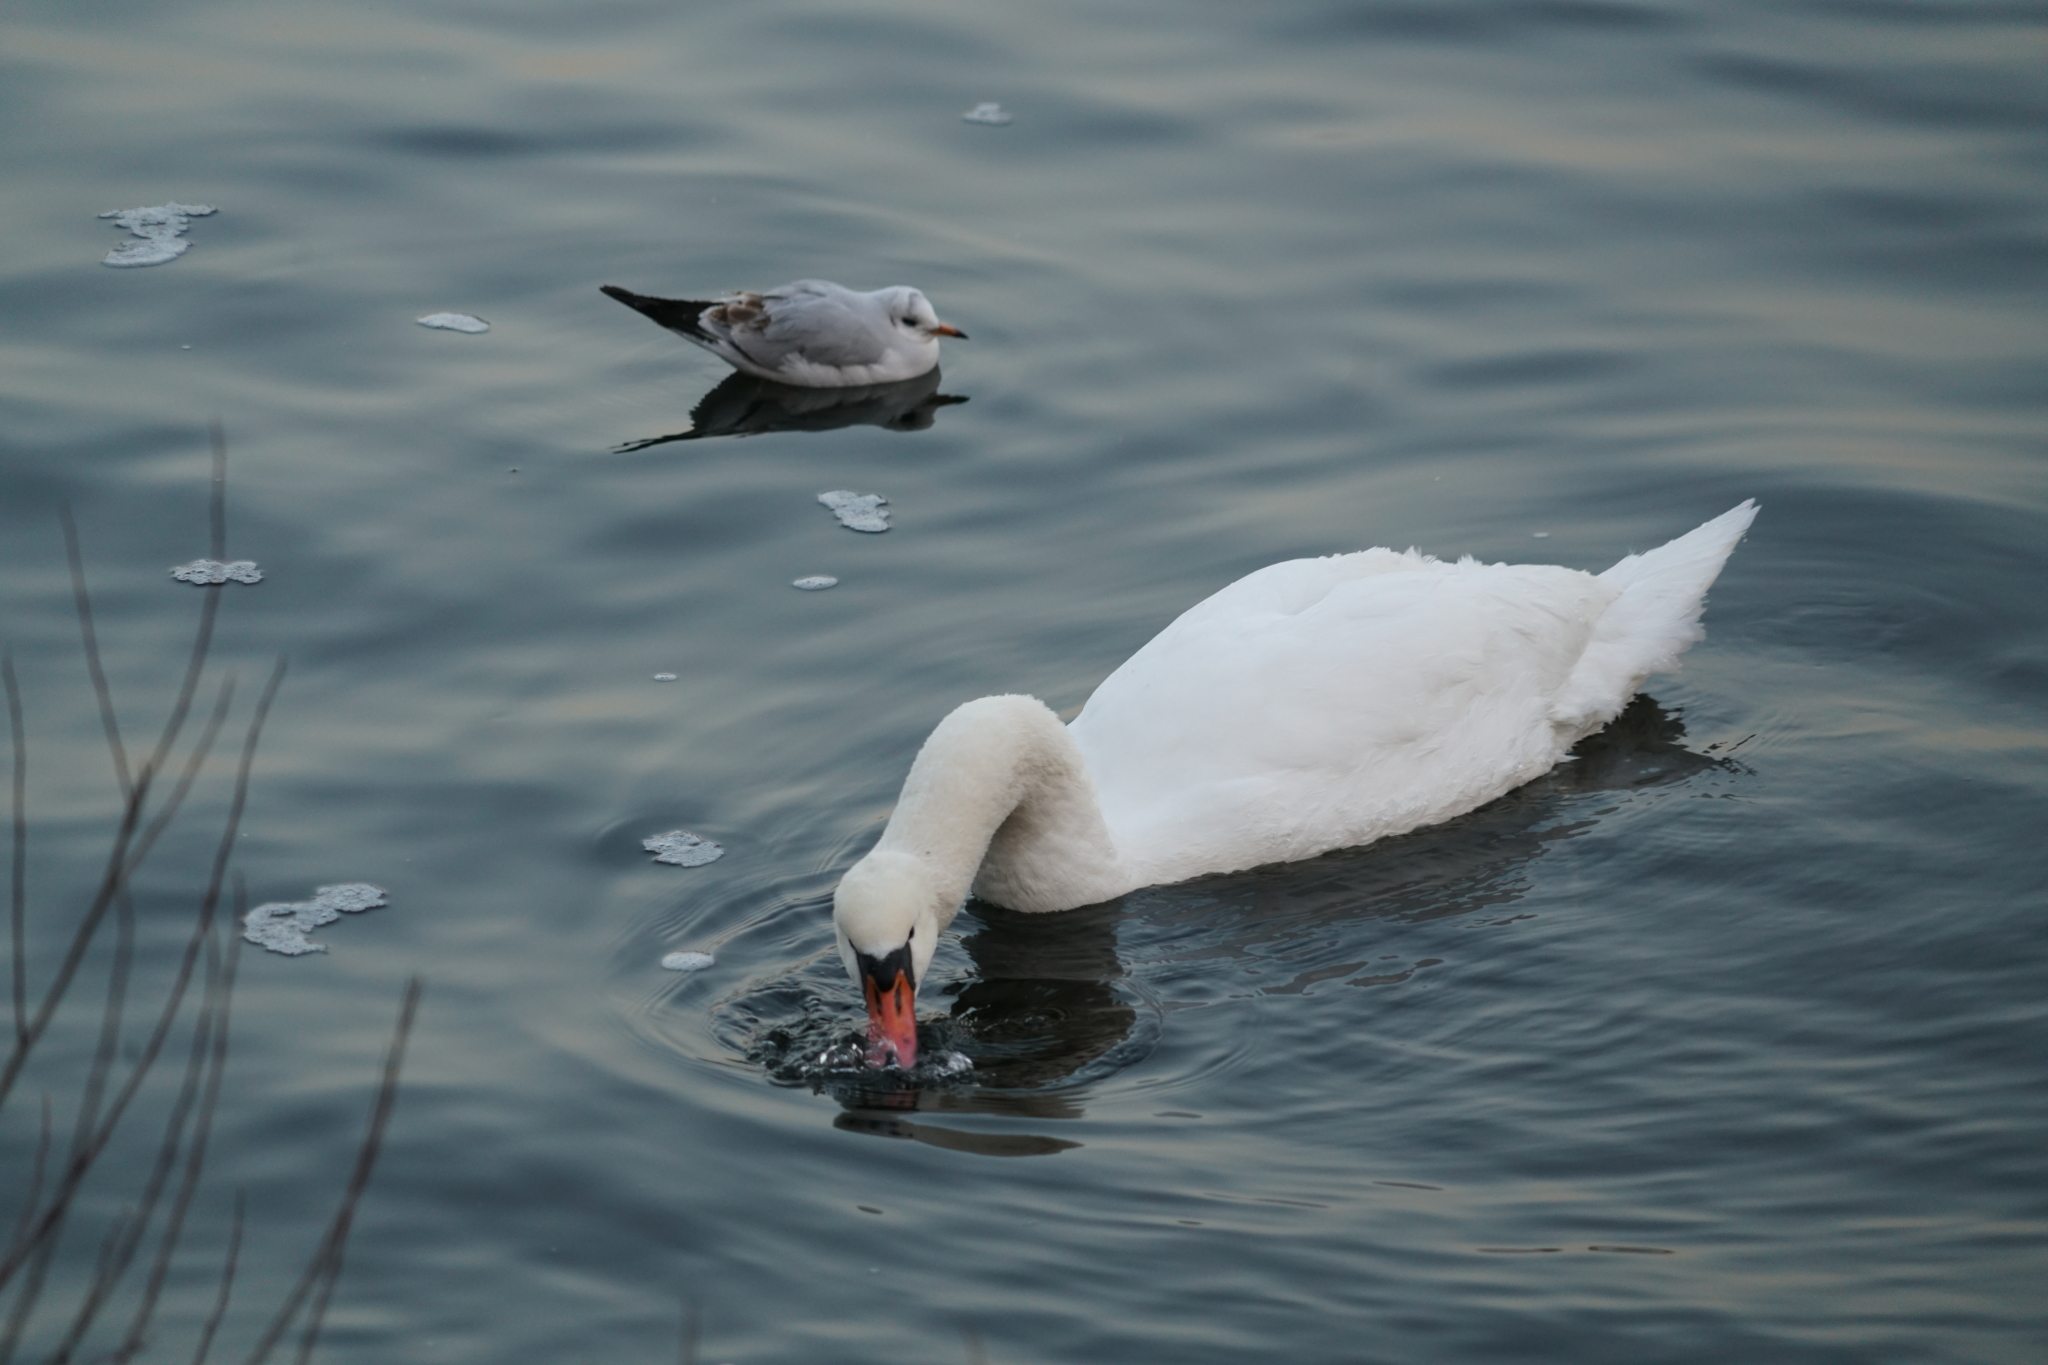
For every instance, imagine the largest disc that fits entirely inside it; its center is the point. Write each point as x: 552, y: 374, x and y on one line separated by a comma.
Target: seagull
x: 813, y: 333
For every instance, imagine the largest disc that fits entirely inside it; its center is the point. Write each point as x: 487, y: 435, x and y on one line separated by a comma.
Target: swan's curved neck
x: 999, y: 803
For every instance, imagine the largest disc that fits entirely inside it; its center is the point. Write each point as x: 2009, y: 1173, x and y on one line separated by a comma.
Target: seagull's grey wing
x: 823, y: 328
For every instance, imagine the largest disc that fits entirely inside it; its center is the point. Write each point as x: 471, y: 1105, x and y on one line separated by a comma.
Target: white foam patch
x: 664, y: 677
x: 816, y: 582
x: 159, y: 233
x: 213, y: 571
x: 682, y: 849
x: 688, y: 962
x: 282, y: 926
x: 454, y: 322
x: 990, y: 113
x: 857, y: 511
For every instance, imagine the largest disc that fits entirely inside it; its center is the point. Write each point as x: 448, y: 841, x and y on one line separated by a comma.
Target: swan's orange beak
x: 890, y: 985
x: 944, y: 330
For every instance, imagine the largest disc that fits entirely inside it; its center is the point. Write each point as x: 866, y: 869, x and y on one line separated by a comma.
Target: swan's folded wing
x: 1325, y: 703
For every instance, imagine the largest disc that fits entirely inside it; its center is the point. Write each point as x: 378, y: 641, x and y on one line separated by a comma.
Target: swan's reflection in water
x: 743, y: 405
x: 1054, y: 1004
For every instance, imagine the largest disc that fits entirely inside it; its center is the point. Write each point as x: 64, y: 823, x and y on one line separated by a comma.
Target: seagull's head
x: 910, y: 310
x: 886, y: 916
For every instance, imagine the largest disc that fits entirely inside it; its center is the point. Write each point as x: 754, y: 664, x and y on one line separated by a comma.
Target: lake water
x: 1724, y: 1043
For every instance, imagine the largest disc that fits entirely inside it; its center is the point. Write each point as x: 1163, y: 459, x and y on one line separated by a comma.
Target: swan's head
x: 887, y: 912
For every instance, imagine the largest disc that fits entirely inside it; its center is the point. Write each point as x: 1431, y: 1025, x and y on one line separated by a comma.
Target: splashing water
x: 820, y: 1052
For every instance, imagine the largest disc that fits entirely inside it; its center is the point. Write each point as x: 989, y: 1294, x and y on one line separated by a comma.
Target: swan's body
x: 1312, y: 705
x: 814, y: 334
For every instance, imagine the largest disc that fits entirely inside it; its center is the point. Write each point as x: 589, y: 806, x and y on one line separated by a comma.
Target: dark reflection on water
x: 953, y: 1139
x: 744, y: 405
x: 1049, y: 1006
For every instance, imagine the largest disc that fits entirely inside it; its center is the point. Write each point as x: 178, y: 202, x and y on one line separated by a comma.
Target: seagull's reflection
x: 743, y: 405
x: 1050, y: 996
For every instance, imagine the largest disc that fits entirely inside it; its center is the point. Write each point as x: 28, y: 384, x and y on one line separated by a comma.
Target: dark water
x: 1724, y: 1044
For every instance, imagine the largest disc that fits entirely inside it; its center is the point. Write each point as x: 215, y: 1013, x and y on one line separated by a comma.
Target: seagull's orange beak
x: 945, y: 330
x: 890, y: 985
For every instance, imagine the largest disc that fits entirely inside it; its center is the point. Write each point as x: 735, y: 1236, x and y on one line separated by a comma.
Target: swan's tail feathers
x: 1652, y: 621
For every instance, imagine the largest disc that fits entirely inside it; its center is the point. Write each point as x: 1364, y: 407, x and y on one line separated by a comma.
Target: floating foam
x: 454, y: 322
x: 688, y: 962
x: 857, y: 511
x: 282, y: 926
x: 682, y: 849
x: 207, y: 571
x: 818, y: 582
x: 990, y: 113
x: 159, y: 233
x: 664, y: 677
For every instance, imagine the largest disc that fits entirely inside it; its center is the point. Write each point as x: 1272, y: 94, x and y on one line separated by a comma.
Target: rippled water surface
x: 1721, y: 1043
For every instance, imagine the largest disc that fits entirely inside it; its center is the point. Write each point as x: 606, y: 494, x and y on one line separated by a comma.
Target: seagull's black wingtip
x: 678, y: 315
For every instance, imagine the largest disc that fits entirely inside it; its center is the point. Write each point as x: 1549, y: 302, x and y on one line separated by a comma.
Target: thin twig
x: 210, y: 1035
x: 111, y: 882
x: 202, y: 639
x: 121, y: 865
x: 79, y: 1166
x: 693, y: 1329
x: 193, y: 762
x: 227, y: 1287
x: 325, y: 1267
x: 35, y: 1180
x: 110, y: 1024
x: 18, y: 901
x: 196, y: 1070
x: 217, y: 506
x: 83, y: 603
x: 195, y: 664
x: 31, y: 1293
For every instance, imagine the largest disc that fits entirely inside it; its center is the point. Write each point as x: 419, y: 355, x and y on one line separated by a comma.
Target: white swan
x: 1312, y: 705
